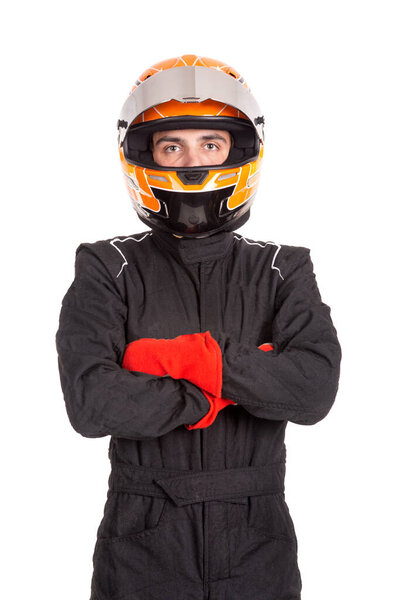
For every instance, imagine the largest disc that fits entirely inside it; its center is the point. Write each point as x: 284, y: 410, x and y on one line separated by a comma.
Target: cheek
x: 156, y: 156
x: 164, y: 160
x: 218, y: 158
x: 226, y: 152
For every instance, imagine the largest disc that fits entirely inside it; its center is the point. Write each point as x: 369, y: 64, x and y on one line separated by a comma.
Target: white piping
x: 124, y: 240
x: 239, y: 237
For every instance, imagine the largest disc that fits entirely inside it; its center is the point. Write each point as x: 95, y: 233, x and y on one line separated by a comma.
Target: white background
x: 327, y: 76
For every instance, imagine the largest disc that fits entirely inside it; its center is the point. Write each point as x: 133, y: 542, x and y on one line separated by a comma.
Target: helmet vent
x: 158, y: 178
x: 192, y: 177
x: 226, y: 176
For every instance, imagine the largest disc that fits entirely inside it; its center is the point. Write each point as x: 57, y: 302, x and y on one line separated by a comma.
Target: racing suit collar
x: 194, y: 250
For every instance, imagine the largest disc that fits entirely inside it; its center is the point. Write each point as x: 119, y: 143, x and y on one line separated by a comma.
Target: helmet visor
x: 190, y: 84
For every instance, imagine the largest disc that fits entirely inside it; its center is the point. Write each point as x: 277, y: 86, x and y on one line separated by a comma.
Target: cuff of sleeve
x: 216, y: 404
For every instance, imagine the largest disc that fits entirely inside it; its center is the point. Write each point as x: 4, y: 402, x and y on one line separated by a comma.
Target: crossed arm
x: 295, y: 381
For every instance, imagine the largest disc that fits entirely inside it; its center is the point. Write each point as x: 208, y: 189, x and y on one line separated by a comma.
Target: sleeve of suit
x: 298, y: 380
x: 195, y: 357
x: 101, y: 397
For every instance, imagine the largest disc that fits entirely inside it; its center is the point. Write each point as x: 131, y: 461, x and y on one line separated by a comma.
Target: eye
x: 211, y: 146
x: 171, y: 148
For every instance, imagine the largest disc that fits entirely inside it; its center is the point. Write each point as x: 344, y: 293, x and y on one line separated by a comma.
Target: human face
x: 191, y: 147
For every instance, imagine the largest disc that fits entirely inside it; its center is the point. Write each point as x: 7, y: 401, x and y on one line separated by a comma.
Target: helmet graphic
x: 191, y: 92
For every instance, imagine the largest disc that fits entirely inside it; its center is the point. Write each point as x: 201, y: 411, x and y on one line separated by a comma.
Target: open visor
x: 190, y: 84
x: 245, y: 146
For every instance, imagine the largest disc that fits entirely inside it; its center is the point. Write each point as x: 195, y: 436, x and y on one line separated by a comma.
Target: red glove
x: 266, y: 347
x: 195, y: 357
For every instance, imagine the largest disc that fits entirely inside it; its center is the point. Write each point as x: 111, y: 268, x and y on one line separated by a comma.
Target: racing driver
x: 192, y: 347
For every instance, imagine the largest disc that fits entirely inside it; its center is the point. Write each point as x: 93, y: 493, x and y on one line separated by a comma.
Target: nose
x: 192, y: 158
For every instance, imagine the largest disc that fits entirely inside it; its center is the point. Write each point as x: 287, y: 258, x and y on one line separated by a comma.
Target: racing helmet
x: 191, y: 92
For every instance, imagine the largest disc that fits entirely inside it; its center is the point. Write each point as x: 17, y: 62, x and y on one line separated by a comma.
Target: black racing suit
x: 196, y: 514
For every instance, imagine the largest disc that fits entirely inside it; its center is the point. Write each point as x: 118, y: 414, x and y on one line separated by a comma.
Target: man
x: 190, y: 147
x: 192, y: 347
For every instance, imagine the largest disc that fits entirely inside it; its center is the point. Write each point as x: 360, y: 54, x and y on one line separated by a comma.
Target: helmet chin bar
x: 194, y: 214
x: 227, y: 226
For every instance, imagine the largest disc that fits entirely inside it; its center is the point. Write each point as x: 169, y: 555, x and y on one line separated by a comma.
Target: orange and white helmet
x: 191, y: 92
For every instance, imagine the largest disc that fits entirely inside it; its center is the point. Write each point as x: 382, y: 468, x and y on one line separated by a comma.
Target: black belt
x: 188, y: 487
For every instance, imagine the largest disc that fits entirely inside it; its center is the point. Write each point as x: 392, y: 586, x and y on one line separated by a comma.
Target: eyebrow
x: 169, y: 138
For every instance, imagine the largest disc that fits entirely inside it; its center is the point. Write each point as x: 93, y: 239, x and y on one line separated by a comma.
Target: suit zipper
x: 203, y: 440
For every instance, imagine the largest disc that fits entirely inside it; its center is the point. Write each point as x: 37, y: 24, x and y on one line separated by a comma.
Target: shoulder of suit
x: 117, y: 252
x: 283, y: 257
